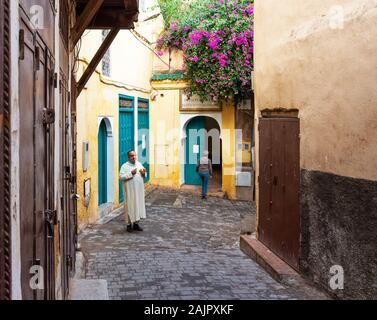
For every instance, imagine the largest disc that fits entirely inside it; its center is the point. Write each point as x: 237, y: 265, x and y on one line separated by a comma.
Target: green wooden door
x: 102, y: 164
x: 143, y: 135
x: 194, y: 148
x: 126, y: 133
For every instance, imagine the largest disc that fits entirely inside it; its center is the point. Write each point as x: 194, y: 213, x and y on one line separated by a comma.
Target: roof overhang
x: 120, y: 14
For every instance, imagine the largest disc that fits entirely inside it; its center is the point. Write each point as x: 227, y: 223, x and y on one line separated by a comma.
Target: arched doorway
x: 102, y: 163
x: 203, y: 133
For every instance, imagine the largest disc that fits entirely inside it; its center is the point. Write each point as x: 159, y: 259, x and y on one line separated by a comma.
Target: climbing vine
x: 217, y: 44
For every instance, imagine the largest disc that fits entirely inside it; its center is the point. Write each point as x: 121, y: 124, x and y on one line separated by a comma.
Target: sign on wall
x: 194, y: 104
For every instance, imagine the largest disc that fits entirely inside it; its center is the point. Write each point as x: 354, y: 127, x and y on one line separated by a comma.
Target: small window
x: 126, y: 103
x: 106, y: 61
x: 143, y: 104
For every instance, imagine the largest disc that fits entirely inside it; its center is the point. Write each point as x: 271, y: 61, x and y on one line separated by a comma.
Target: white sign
x: 194, y: 103
x: 196, y: 149
x: 143, y: 142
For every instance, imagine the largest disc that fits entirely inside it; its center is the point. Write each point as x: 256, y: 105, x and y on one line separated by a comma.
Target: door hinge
x: 36, y: 262
x: 48, y: 116
x: 51, y: 216
x: 37, y: 58
x: 69, y: 261
x: 55, y: 80
x: 21, y: 40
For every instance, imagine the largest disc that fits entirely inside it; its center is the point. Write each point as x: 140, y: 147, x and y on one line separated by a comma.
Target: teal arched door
x: 102, y: 164
x: 195, y: 140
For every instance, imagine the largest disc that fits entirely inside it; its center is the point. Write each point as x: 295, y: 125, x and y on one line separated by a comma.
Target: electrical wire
x: 145, y: 45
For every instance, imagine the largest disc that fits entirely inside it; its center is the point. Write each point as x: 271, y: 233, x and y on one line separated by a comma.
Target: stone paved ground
x: 189, y: 250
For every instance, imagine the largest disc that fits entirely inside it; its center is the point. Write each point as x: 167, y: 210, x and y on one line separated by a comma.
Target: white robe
x: 133, y: 192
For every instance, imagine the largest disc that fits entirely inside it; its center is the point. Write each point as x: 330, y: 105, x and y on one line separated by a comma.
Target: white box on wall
x: 243, y: 179
x: 85, y: 156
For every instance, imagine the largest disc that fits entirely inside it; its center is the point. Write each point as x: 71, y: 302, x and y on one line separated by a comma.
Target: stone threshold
x: 278, y: 269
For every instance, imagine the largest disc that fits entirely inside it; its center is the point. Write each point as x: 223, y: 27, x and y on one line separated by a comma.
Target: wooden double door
x: 279, y: 187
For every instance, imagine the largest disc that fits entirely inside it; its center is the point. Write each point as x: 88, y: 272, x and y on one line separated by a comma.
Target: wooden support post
x: 96, y: 59
x: 84, y: 21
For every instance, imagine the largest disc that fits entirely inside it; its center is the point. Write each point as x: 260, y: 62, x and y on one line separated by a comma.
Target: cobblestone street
x: 189, y: 250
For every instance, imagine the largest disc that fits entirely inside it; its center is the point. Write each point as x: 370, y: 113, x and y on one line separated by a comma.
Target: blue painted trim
x: 123, y: 110
x: 126, y: 97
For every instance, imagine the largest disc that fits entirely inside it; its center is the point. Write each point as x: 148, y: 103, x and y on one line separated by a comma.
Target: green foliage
x: 183, y: 12
x: 218, y: 47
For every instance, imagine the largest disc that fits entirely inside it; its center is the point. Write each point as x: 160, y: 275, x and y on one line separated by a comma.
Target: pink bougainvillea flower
x: 194, y: 59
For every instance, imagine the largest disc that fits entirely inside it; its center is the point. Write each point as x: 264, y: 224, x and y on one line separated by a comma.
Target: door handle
x: 275, y: 181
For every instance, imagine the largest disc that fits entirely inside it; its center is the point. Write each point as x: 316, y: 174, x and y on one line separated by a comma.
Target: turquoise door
x: 194, y: 148
x: 102, y: 164
x: 143, y: 134
x: 126, y: 134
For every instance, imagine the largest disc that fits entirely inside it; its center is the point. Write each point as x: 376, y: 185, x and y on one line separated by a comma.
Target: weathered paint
x: 318, y: 57
x: 305, y: 58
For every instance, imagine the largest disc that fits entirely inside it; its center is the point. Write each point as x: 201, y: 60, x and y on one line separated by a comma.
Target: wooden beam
x: 131, y: 4
x: 108, y: 18
x: 84, y: 21
x: 96, y: 59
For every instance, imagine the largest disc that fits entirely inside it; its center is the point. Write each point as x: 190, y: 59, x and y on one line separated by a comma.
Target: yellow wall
x: 131, y: 71
x: 166, y: 135
x: 100, y: 100
x: 229, y: 150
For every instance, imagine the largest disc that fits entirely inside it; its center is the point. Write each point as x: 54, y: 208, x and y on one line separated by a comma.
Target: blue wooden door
x: 194, y: 148
x: 143, y: 135
x: 126, y: 137
x: 102, y: 164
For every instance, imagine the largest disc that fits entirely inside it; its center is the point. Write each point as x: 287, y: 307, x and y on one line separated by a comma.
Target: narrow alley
x: 189, y: 250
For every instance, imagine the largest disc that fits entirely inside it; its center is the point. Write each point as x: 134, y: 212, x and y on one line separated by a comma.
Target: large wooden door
x: 36, y: 155
x: 143, y: 134
x: 195, y: 143
x: 126, y: 133
x: 102, y: 164
x: 279, y: 179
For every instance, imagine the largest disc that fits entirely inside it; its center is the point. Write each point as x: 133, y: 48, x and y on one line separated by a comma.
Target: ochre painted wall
x: 229, y: 150
x: 99, y: 100
x: 166, y: 138
x: 306, y: 59
x: 165, y: 134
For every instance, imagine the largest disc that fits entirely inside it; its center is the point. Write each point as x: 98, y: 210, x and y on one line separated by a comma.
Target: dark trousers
x: 205, y: 178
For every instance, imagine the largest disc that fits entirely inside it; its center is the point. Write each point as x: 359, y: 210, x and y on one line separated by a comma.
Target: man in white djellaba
x: 132, y: 175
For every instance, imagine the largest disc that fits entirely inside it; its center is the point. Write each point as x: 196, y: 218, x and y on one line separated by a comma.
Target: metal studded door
x: 37, y: 208
x: 279, y: 179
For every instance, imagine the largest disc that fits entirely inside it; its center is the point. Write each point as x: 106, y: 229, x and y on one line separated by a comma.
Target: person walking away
x: 204, y: 168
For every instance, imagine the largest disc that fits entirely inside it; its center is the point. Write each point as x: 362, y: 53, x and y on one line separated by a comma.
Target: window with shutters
x: 106, y: 61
